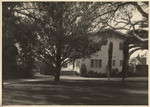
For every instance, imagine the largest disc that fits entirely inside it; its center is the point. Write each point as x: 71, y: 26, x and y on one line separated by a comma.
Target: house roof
x: 109, y: 33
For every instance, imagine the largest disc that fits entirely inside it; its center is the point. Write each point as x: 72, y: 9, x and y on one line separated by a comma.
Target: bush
x: 114, y: 72
x: 83, y: 69
x: 90, y: 72
x: 94, y: 75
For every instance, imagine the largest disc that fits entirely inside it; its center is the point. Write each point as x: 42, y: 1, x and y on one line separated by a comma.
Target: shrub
x: 83, y: 69
x: 114, y: 72
x: 90, y: 72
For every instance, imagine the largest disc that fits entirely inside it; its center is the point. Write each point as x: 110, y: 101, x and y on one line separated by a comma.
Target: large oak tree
x: 61, y: 31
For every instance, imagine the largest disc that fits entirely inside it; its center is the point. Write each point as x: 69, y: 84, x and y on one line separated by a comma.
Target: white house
x: 99, y: 62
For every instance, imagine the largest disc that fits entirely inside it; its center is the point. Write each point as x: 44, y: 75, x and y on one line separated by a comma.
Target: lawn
x: 74, y: 90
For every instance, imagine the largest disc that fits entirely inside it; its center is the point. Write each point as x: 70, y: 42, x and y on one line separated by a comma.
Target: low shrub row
x: 114, y: 72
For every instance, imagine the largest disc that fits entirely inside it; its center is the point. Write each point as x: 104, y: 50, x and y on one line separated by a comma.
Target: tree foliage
x: 53, y: 32
x: 60, y: 31
x: 15, y: 47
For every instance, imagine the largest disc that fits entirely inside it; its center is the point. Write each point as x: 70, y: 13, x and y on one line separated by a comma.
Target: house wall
x: 103, y: 55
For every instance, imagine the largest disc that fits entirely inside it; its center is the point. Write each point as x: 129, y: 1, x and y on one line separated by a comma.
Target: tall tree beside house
x: 110, y: 52
x: 125, y: 59
x: 137, y: 45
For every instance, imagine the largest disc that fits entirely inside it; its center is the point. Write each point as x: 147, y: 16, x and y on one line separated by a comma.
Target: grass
x: 73, y: 90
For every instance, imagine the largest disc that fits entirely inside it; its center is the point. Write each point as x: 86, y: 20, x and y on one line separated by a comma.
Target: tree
x: 121, y: 16
x: 110, y: 51
x: 9, y: 50
x: 60, y: 30
x: 136, y: 45
x: 15, y: 44
x: 125, y: 59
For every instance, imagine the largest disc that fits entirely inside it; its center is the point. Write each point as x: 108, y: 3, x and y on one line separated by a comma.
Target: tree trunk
x: 2, y: 83
x: 73, y: 63
x: 108, y: 75
x: 58, y: 61
x: 57, y: 75
x: 125, y: 59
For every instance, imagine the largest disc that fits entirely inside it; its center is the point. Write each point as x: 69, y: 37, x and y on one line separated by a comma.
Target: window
x: 100, y: 63
x: 96, y: 63
x: 113, y: 63
x: 92, y: 62
x: 121, y: 62
x: 121, y: 45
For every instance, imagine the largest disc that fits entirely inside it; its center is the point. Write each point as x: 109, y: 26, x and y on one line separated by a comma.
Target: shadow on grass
x: 76, y: 92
